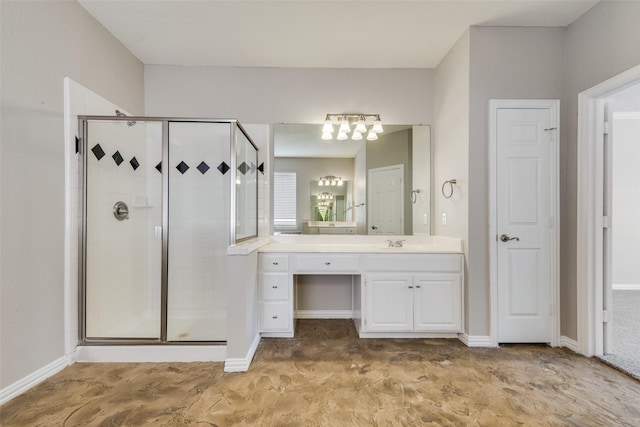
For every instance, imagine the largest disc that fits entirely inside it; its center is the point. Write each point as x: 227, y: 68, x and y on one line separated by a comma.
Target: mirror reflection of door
x: 386, y: 201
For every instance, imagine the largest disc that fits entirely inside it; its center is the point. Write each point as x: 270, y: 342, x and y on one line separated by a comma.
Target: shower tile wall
x: 199, y: 220
x: 123, y: 257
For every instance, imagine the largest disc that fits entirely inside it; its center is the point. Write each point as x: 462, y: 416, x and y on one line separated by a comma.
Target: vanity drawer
x: 452, y: 263
x: 274, y: 316
x: 274, y: 262
x: 274, y: 286
x: 326, y: 263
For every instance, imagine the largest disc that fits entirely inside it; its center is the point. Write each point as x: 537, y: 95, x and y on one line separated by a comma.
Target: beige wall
x: 450, y: 147
x: 601, y: 44
x: 42, y: 42
x: 506, y: 63
x: 289, y: 95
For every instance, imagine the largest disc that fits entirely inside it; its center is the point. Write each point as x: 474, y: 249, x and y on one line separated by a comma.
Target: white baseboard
x: 34, y: 378
x: 476, y: 340
x: 242, y: 364
x: 151, y: 353
x: 626, y: 287
x: 324, y: 314
x: 569, y: 343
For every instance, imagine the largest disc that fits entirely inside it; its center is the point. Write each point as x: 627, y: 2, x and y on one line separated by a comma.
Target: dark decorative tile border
x: 117, y: 157
x: 182, y: 167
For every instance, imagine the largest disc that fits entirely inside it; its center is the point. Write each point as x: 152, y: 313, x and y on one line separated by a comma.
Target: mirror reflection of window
x: 284, y: 201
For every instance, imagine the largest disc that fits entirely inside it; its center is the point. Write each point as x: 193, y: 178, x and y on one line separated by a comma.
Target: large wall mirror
x: 385, y: 184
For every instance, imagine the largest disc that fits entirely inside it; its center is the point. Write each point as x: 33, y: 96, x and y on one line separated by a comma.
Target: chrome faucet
x: 396, y: 244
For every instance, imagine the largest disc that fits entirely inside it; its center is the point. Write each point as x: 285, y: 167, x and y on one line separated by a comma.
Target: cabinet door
x: 388, y: 305
x: 437, y: 304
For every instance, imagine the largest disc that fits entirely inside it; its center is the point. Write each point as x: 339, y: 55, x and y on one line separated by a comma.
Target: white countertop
x: 361, y: 244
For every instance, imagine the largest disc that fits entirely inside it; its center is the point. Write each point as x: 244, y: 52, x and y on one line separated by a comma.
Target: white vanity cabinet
x: 275, y: 296
x: 394, y: 294
x: 412, y: 294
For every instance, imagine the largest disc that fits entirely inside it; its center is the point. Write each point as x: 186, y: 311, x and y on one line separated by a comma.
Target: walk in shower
x: 162, y: 199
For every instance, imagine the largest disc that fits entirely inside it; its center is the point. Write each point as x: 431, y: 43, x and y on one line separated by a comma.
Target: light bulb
x: 377, y: 126
x: 340, y: 182
x: 320, y: 183
x: 341, y: 136
x: 357, y: 136
x: 328, y: 126
x: 372, y: 136
x: 344, y: 126
x: 360, y: 127
x: 327, y: 136
x: 333, y: 182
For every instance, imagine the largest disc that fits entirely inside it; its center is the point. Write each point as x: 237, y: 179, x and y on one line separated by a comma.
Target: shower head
x: 121, y: 114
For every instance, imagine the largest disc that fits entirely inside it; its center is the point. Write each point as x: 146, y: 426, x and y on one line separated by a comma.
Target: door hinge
x: 606, y: 317
x: 605, y: 128
x: 606, y: 221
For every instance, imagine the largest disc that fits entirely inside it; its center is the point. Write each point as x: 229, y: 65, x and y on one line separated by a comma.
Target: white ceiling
x: 313, y: 33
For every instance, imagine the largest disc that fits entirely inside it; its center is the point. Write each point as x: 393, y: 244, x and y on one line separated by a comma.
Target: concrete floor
x: 327, y: 376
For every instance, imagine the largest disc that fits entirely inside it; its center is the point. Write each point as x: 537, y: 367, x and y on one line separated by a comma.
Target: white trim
x: 34, y: 378
x: 626, y: 287
x: 554, y: 247
x: 569, y: 343
x: 589, y: 250
x: 151, y: 353
x: 476, y: 340
x: 626, y: 115
x: 414, y: 335
x: 323, y: 314
x: 242, y: 364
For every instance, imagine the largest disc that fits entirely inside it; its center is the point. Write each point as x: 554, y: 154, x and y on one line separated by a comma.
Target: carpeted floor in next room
x: 327, y: 376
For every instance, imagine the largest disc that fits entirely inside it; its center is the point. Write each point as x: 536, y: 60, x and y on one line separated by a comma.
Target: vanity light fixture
x: 325, y: 196
x: 364, y: 123
x: 330, y: 180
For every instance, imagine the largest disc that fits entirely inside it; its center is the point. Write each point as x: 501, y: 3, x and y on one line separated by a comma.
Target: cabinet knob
x: 274, y: 317
x: 275, y: 263
x: 410, y: 287
x: 327, y: 263
x: 274, y: 287
x: 418, y: 287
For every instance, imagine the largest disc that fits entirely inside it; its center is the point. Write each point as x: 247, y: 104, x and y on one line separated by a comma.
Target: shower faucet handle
x: 121, y: 211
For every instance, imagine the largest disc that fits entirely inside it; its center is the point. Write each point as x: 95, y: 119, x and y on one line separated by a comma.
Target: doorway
x: 524, y: 212
x: 386, y: 200
x: 595, y: 227
x: 621, y: 200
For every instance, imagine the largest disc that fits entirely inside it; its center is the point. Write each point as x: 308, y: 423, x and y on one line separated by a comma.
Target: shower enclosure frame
x: 83, y: 149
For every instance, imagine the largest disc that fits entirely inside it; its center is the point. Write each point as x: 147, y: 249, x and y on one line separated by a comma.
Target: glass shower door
x: 123, y: 233
x: 199, y: 220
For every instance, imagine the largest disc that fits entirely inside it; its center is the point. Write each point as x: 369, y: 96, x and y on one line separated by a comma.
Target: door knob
x: 506, y: 238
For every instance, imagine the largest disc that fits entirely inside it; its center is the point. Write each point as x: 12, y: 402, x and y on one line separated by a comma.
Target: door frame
x: 589, y: 244
x: 494, y: 106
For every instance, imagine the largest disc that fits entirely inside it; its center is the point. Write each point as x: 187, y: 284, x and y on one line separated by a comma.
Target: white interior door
x: 525, y: 138
x: 386, y: 200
